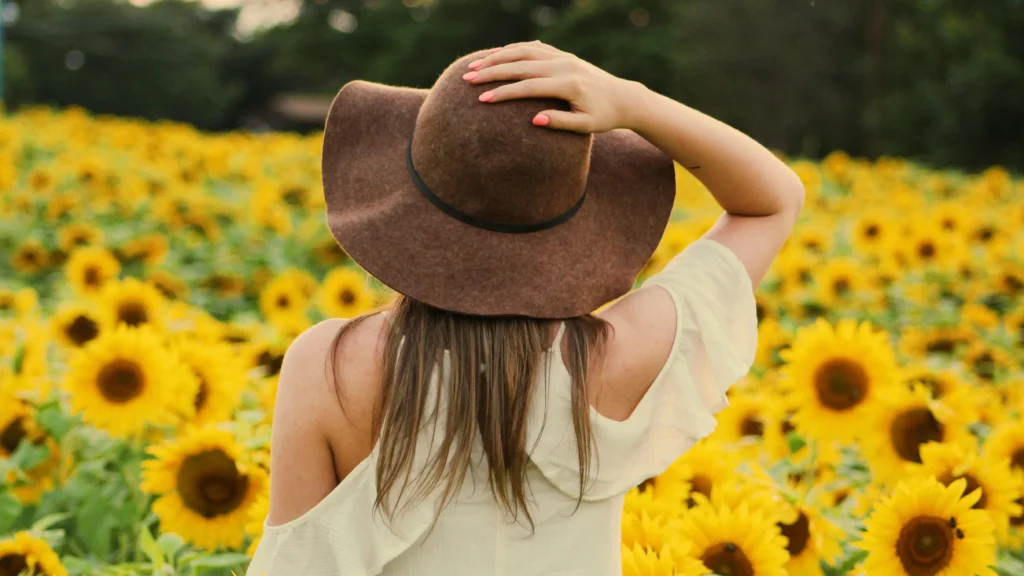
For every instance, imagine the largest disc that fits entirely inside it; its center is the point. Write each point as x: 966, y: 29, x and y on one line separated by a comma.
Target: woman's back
x: 710, y: 304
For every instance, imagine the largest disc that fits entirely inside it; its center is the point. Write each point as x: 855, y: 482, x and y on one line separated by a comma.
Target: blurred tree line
x: 940, y: 81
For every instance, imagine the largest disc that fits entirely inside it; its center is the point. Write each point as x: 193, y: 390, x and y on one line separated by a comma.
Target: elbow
x: 793, y: 194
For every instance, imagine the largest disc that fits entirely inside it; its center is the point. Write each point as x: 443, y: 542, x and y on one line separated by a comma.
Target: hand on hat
x: 599, y: 100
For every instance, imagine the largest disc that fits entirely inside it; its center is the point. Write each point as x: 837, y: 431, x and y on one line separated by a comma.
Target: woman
x: 488, y: 423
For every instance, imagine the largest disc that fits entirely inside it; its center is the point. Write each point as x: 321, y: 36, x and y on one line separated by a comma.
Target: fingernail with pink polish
x: 487, y: 96
x: 475, y: 64
x: 469, y: 76
x: 541, y: 120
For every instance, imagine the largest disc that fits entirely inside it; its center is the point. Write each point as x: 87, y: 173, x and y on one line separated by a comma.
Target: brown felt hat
x: 469, y: 207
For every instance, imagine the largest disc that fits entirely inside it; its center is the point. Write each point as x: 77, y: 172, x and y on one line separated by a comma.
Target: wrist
x: 634, y: 106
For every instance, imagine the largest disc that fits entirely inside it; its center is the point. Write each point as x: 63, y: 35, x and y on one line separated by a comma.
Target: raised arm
x: 760, y: 195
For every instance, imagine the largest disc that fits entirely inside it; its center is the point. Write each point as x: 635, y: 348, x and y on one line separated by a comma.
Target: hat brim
x: 387, y: 226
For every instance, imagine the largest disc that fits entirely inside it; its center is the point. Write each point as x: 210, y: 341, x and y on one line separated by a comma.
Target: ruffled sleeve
x: 714, y: 346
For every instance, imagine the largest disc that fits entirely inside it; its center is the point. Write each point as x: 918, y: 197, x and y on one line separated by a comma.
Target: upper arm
x: 302, y: 468
x: 645, y: 321
x: 756, y: 241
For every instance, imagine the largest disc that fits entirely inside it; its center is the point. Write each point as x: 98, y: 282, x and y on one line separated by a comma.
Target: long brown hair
x: 494, y: 363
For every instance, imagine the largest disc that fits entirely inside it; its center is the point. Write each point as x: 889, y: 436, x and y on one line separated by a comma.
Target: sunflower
x: 77, y: 235
x: 940, y: 381
x: 225, y: 285
x: 24, y: 553
x: 206, y: 487
x: 328, y: 252
x: 75, y: 325
x: 735, y: 541
x: 22, y: 301
x: 220, y: 379
x: 660, y: 497
x: 89, y: 268
x: 927, y: 245
x: 1009, y: 280
x: 257, y: 518
x: 795, y: 270
x: 839, y: 280
x: 31, y: 257
x: 811, y: 540
x: 651, y: 533
x: 901, y: 423
x: 172, y: 287
x: 29, y: 367
x: 934, y: 341
x: 150, y: 249
x: 924, y: 527
x: 836, y: 374
x: 812, y: 239
x: 41, y: 179
x: 17, y: 425
x: 703, y: 467
x: 771, y: 340
x: 282, y: 296
x: 126, y: 379
x: 742, y: 424
x: 667, y: 561
x: 871, y: 232
x: 131, y: 303
x: 951, y: 217
x: 344, y: 294
x: 1000, y: 488
x: 987, y: 362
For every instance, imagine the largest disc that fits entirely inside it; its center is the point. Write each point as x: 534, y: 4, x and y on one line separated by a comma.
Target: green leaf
x: 795, y: 442
x: 18, y: 359
x: 54, y: 421
x: 49, y: 520
x: 96, y: 526
x: 224, y: 560
x: 29, y: 455
x: 170, y: 543
x: 10, y: 508
x: 149, y: 546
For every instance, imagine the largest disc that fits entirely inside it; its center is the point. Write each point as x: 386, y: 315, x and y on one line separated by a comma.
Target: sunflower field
x: 152, y: 277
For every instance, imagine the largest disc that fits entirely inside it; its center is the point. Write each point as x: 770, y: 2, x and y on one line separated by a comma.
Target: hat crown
x: 489, y: 161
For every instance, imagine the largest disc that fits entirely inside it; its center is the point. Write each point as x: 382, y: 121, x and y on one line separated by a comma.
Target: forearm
x: 744, y: 177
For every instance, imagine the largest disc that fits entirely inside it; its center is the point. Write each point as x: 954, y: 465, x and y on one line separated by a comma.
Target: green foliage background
x: 938, y: 81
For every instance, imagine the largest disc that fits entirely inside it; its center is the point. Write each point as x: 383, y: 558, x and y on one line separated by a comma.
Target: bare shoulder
x: 644, y: 327
x: 320, y: 431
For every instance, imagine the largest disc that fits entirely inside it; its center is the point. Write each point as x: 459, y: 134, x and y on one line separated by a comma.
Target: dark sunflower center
x: 1019, y: 519
x: 942, y: 345
x: 202, y: 393
x: 841, y: 384
x: 787, y: 426
x: 272, y: 362
x: 283, y: 301
x: 751, y: 426
x: 726, y: 559
x: 872, y: 231
x: 120, y: 381
x: 911, y: 429
x: 841, y: 495
x: 13, y: 565
x: 1013, y: 284
x: 1017, y: 460
x: 984, y: 366
x: 986, y: 234
x: 81, y: 330
x: 948, y: 224
x: 934, y: 386
x: 132, y: 313
x: 925, y: 545
x: 972, y: 485
x: 699, y: 484
x: 760, y: 312
x: 798, y: 533
x: 926, y: 250
x: 841, y: 286
x: 12, y: 435
x: 31, y: 256
x: 646, y: 485
x: 210, y: 485
x: 347, y: 297
x: 91, y: 276
x: 6, y: 302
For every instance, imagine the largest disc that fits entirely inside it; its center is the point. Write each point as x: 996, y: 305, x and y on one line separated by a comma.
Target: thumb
x: 562, y: 120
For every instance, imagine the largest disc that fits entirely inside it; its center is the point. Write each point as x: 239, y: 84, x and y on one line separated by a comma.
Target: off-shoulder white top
x: 714, y: 346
